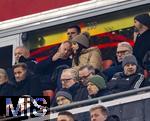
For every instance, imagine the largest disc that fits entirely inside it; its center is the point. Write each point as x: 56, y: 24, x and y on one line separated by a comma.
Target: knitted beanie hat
x: 143, y: 19
x: 98, y: 81
x: 64, y: 94
x: 82, y: 39
x: 129, y: 59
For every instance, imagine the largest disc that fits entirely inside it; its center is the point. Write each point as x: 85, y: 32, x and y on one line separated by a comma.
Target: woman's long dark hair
x: 78, y: 53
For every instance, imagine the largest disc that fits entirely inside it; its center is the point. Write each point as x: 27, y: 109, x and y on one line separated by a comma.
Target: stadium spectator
x: 63, y: 98
x: 73, y: 31
x: 86, y: 72
x: 25, y: 83
x: 101, y: 113
x: 69, y: 80
x: 83, y: 55
x: 96, y: 86
x: 65, y: 116
x: 123, y: 49
x: 51, y: 68
x: 142, y: 43
x: 98, y: 113
x: 128, y: 79
x: 22, y: 55
x: 5, y: 85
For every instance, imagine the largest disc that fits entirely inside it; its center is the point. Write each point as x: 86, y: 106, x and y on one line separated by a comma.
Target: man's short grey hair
x: 74, y: 72
x: 25, y: 49
x: 127, y: 45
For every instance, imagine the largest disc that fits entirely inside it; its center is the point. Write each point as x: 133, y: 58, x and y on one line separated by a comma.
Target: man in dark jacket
x: 96, y: 86
x: 25, y: 83
x: 50, y: 69
x: 128, y: 79
x: 69, y: 80
x: 123, y: 49
x: 22, y: 55
x: 142, y: 43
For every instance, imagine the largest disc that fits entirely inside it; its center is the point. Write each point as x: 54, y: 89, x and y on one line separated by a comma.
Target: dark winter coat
x: 78, y: 92
x: 29, y: 86
x: 120, y: 82
x: 116, y: 67
x: 47, y: 68
x: 102, y: 92
x: 6, y: 89
x: 142, y: 45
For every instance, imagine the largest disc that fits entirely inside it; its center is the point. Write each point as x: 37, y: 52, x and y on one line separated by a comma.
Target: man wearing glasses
x: 123, y: 49
x: 70, y: 81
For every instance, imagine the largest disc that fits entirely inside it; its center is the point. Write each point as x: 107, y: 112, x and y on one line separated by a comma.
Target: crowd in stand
x: 75, y: 71
x: 97, y: 113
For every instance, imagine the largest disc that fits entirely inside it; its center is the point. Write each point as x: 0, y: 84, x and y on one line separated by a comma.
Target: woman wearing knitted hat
x: 142, y: 41
x: 83, y: 54
x: 96, y: 86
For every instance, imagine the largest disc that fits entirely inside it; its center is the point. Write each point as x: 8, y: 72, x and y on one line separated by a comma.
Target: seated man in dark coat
x: 70, y: 82
x: 25, y: 83
x: 123, y: 49
x: 96, y: 86
x: 128, y: 79
x: 22, y: 55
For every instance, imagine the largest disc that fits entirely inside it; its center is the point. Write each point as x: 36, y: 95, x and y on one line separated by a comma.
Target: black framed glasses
x: 66, y: 80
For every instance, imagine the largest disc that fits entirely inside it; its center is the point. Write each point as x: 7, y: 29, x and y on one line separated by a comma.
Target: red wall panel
x: 16, y: 8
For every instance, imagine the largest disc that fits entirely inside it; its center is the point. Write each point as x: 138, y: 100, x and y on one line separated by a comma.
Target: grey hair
x: 127, y: 45
x: 74, y: 72
x: 3, y: 71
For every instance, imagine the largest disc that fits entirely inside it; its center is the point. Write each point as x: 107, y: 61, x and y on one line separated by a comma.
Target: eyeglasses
x: 66, y: 80
x: 122, y: 52
x: 84, y: 77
